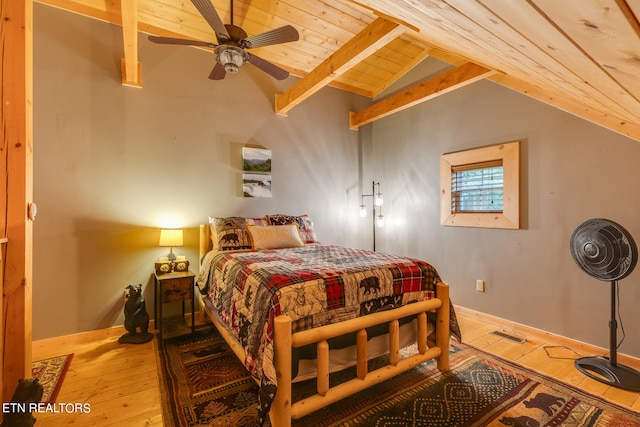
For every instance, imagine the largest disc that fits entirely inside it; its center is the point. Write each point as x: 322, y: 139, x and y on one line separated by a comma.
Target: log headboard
x: 205, y: 244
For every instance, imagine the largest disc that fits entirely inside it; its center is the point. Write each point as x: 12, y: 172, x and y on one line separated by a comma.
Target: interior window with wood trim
x: 481, y: 187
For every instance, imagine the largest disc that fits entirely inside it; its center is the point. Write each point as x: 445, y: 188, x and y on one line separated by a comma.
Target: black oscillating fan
x: 606, y: 251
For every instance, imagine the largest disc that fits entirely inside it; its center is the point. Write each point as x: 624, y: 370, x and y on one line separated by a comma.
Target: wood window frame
x: 509, y: 154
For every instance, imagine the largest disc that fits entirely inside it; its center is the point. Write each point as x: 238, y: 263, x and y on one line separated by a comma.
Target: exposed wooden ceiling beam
x: 571, y: 106
x: 565, y: 103
x: 373, y: 37
x: 104, y: 11
x: 446, y: 82
x: 131, y: 67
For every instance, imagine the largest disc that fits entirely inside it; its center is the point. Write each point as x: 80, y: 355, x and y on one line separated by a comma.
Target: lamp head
x: 171, y: 238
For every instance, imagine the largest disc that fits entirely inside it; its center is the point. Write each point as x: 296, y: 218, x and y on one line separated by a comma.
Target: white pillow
x: 274, y: 236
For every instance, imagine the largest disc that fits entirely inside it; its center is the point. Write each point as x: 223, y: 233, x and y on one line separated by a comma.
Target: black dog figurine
x: 135, y: 316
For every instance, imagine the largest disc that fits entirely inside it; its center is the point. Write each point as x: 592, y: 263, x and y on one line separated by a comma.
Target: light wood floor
x: 120, y: 382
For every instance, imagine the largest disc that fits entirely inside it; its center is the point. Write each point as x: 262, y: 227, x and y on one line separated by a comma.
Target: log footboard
x: 283, y: 410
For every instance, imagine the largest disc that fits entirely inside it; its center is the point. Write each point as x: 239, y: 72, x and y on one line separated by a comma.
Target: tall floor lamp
x: 377, y: 220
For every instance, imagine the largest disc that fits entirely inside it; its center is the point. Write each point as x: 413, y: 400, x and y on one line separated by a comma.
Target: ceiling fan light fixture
x: 232, y: 41
x: 231, y: 57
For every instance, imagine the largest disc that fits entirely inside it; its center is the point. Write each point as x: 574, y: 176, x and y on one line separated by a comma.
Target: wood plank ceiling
x: 582, y: 56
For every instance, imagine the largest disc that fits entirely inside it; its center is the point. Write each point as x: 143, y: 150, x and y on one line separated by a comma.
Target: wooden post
x: 16, y: 179
x: 422, y: 333
x: 323, y: 367
x: 3, y: 240
x: 394, y: 342
x: 361, y: 354
x: 280, y: 414
x: 442, y: 325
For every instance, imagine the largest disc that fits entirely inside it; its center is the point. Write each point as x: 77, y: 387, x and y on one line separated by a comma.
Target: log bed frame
x: 283, y: 410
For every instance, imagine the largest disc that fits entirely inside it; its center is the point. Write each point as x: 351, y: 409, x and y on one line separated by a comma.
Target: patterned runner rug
x: 50, y: 373
x: 203, y: 384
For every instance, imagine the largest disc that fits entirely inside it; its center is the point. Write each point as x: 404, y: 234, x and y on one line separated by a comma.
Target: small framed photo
x: 256, y: 160
x: 256, y: 185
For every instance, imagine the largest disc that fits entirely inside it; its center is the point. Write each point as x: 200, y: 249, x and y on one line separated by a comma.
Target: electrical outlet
x: 480, y: 285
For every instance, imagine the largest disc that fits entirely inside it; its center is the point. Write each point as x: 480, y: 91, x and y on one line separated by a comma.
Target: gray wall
x: 113, y: 164
x: 571, y: 171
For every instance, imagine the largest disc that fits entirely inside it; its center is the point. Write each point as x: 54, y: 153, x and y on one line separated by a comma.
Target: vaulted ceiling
x: 582, y: 56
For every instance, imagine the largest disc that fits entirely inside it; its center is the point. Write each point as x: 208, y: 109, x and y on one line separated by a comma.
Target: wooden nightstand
x: 172, y: 287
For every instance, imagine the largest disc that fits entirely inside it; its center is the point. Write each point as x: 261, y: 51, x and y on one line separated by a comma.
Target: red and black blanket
x: 314, y: 285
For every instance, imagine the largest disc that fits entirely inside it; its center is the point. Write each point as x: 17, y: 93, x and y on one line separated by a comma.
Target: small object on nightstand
x: 164, y: 267
x: 181, y: 265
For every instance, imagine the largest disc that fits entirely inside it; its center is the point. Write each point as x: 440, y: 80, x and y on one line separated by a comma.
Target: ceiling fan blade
x: 269, y: 68
x: 210, y: 15
x: 278, y: 35
x: 171, y: 40
x: 218, y: 72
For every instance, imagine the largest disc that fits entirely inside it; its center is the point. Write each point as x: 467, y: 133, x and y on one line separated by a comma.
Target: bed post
x: 280, y: 414
x: 204, y: 246
x: 204, y: 241
x: 443, y: 333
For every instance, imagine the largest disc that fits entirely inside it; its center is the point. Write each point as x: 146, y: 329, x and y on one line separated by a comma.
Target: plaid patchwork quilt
x: 314, y: 285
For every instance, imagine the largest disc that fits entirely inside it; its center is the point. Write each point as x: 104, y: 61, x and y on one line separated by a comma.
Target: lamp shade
x: 170, y: 237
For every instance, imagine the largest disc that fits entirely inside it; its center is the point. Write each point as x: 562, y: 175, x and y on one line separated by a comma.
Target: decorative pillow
x: 230, y: 233
x: 304, y: 223
x: 275, y: 236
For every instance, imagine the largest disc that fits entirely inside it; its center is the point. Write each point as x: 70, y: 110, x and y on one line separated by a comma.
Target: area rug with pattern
x: 203, y: 384
x: 50, y: 373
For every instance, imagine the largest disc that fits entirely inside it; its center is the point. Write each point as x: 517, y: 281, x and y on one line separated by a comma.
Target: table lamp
x: 171, y: 238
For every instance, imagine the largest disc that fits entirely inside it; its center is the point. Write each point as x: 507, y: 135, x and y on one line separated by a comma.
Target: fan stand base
x: 601, y: 369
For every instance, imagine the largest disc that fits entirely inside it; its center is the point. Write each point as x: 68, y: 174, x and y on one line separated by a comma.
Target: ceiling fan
x: 232, y: 43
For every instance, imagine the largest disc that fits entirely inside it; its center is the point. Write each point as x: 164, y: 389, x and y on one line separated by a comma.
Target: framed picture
x: 256, y: 185
x: 256, y: 160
